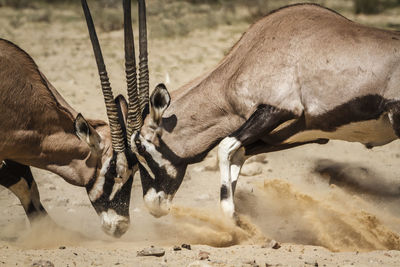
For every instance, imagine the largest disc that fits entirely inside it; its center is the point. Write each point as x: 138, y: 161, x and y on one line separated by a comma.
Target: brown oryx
x: 39, y: 128
x: 303, y: 74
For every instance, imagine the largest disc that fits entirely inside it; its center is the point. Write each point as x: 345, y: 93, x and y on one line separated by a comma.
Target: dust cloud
x: 45, y: 233
x: 212, y: 228
x: 329, y: 217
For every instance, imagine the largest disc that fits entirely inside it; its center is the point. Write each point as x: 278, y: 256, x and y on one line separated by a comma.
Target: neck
x: 198, y: 117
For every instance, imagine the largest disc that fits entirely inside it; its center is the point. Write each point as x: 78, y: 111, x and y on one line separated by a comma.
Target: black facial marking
x: 224, y: 192
x: 121, y: 200
x: 169, y: 123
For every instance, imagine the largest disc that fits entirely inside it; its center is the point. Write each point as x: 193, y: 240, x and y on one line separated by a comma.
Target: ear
x: 87, y: 133
x: 122, y: 108
x: 159, y: 101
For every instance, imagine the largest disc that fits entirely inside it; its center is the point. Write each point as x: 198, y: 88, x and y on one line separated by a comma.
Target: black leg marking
x: 13, y: 173
x: 261, y: 122
x: 262, y: 147
x: 224, y: 192
x: 233, y: 185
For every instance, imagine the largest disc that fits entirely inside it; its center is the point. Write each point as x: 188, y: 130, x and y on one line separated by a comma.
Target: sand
x: 331, y: 205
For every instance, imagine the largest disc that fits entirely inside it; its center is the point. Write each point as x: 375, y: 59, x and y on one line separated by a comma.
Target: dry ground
x: 334, y: 205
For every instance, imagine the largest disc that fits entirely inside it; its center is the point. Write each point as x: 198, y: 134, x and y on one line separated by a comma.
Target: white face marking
x: 158, y: 157
x: 123, y: 171
x: 122, y: 167
x: 158, y: 204
x: 114, y: 224
x: 116, y: 187
x: 97, y: 188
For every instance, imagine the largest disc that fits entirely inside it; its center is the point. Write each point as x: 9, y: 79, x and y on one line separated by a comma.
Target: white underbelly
x: 372, y: 132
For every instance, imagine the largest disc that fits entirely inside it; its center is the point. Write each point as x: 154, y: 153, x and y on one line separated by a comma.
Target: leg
x: 229, y: 174
x: 231, y: 151
x: 19, y: 180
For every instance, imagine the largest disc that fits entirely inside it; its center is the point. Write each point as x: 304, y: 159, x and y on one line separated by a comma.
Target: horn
x: 134, y: 120
x: 143, y: 67
x: 117, y: 137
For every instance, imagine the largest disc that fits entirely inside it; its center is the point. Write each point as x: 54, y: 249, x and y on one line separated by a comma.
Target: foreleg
x: 19, y: 180
x: 231, y: 152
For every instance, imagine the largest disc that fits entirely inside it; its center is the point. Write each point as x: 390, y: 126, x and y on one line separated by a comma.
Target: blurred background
x: 179, y: 17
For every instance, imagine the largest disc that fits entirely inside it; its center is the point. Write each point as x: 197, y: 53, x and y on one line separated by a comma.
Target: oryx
x: 39, y: 128
x: 302, y: 74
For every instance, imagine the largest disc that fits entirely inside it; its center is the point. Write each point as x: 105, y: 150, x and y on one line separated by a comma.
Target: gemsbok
x: 39, y: 128
x: 302, y: 74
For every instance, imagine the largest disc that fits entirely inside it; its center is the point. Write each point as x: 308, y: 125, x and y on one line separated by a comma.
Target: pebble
x: 176, y: 248
x: 187, y: 246
x: 311, y: 263
x: 42, y: 263
x: 272, y: 244
x: 252, y: 263
x: 152, y: 251
x: 62, y: 247
x: 203, y: 255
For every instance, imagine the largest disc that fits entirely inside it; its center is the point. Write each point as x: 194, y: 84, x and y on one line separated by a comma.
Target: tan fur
x: 303, y: 58
x: 37, y: 123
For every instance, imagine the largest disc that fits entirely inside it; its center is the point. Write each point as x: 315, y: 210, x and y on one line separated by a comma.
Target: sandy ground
x: 331, y: 205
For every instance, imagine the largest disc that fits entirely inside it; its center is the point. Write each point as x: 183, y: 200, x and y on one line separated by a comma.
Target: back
x: 29, y: 106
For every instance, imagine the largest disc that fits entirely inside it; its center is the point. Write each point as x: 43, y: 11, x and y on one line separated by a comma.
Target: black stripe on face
x: 120, y: 202
x: 224, y: 192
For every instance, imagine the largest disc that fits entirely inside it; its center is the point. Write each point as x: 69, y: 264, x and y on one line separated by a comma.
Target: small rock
x: 187, y: 246
x: 311, y: 263
x: 252, y: 263
x: 272, y: 244
x: 275, y: 245
x: 176, y: 248
x: 62, y: 247
x: 152, y: 251
x: 42, y: 263
x: 203, y: 255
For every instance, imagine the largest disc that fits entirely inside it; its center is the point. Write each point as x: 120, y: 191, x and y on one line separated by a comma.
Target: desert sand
x: 331, y: 205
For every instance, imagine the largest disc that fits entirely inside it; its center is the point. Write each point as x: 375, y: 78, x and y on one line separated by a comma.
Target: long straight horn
x: 143, y: 67
x: 112, y: 113
x: 134, y: 120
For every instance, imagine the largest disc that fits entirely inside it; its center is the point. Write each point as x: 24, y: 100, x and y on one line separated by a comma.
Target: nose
x: 114, y: 224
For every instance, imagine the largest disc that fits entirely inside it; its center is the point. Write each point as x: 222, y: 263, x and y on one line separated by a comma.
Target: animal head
x: 161, y: 171
x: 109, y: 190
